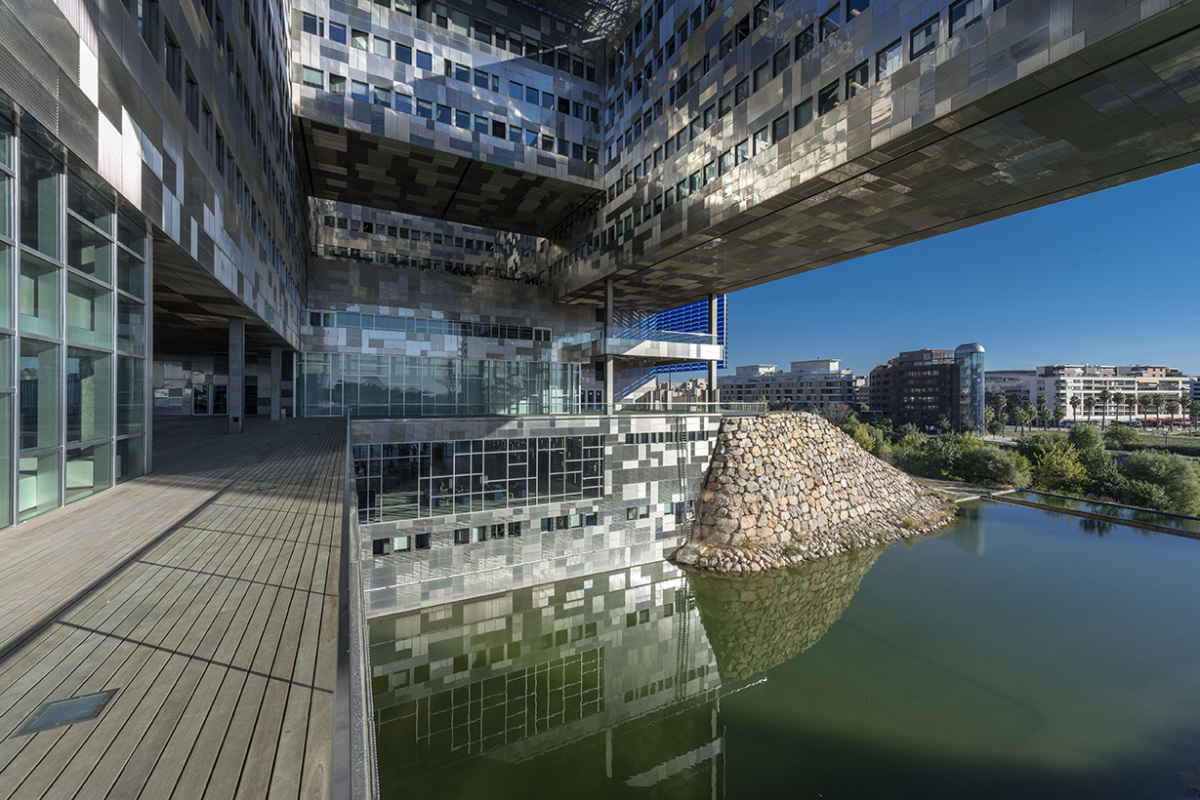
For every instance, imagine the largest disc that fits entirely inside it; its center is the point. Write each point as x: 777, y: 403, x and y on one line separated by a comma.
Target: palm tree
x: 1194, y: 410
x: 1157, y: 401
x: 1060, y: 413
x: 1041, y: 404
x: 999, y: 401
x: 1089, y: 403
x: 1172, y: 411
x: 1020, y: 418
x: 1105, y: 399
x: 1075, y: 401
x: 1139, y: 400
x: 1117, y: 398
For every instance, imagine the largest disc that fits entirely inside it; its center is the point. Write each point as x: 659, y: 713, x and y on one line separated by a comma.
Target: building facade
x: 1107, y: 394
x: 455, y: 213
x: 927, y: 387
x: 810, y: 385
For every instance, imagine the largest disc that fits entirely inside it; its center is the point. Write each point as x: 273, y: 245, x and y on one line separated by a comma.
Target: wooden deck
x: 206, y: 594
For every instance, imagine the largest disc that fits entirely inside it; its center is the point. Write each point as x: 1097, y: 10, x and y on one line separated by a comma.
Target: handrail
x: 690, y: 407
x: 353, y: 769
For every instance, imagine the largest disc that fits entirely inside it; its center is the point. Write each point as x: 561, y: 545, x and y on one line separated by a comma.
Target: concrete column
x: 714, y: 394
x: 609, y: 406
x: 236, y: 398
x: 276, y: 381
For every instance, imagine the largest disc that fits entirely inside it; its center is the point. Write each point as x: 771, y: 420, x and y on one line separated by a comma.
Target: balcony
x: 652, y: 346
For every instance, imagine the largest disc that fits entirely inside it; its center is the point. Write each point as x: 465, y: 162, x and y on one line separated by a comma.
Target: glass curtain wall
x: 72, y: 322
x: 336, y: 384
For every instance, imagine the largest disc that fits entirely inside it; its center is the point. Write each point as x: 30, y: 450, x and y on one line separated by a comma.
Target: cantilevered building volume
x: 465, y: 226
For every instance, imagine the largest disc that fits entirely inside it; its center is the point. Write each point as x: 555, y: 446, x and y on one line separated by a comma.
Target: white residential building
x: 1062, y: 382
x: 810, y: 384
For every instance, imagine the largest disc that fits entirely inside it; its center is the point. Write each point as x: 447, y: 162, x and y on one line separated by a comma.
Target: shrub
x: 995, y: 427
x: 1146, y: 495
x: 1058, y: 470
x: 1120, y: 436
x: 1084, y: 437
x: 992, y: 466
x: 1036, y: 445
x: 1104, y: 475
x: 1175, y: 475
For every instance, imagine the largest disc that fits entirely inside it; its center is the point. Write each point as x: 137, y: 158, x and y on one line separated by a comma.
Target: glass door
x: 200, y: 397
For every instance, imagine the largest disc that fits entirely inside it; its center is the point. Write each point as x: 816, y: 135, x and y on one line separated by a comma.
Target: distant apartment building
x: 1072, y: 385
x: 927, y: 386
x: 812, y: 384
x: 1015, y: 384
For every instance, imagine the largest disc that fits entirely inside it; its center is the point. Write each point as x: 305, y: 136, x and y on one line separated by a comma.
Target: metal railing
x: 353, y: 770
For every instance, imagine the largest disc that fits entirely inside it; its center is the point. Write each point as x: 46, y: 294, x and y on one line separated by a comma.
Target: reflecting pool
x: 1020, y: 653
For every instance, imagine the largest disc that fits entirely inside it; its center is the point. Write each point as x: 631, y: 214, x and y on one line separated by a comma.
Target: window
x: 762, y: 75
x: 803, y: 114
x: 337, y: 84
x: 741, y: 91
x: 831, y: 22
x: 172, y: 63
x: 337, y: 32
x: 314, y: 25
x: 313, y: 77
x: 779, y: 128
x: 741, y: 152
x: 780, y: 61
x: 741, y: 31
x: 762, y: 140
x: 424, y: 108
x: 828, y: 99
x: 481, y: 124
x: 358, y: 39
x: 481, y: 79
x: 856, y: 80
x: 888, y: 61
x: 443, y: 114
x: 531, y: 138
x: 403, y: 53
x: 725, y: 47
x: 924, y: 37
x: 856, y: 7
x: 383, y: 47
x: 725, y: 104
x: 805, y: 41
x: 360, y: 90
x: 462, y: 535
x: 516, y: 90
x: 424, y: 60
x: 725, y: 162
x: 762, y: 10
x: 964, y: 14
x: 710, y: 116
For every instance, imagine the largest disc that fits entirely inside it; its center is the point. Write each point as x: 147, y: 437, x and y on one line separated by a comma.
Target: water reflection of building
x: 603, y: 685
x: 608, y: 676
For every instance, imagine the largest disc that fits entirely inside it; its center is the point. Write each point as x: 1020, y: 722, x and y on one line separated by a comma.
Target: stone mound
x: 785, y: 488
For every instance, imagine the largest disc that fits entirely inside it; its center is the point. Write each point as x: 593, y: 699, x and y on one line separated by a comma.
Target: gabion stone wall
x: 784, y: 488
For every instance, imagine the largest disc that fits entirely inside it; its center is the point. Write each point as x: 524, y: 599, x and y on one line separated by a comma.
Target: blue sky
x: 1109, y: 278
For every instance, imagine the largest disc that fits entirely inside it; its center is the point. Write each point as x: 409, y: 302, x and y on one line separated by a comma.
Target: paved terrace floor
x: 206, y: 594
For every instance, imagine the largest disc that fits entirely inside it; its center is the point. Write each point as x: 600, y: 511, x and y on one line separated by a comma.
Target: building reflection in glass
x: 606, y: 685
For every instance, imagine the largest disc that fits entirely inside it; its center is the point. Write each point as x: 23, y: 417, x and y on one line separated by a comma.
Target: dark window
x: 423, y: 540
x: 725, y: 104
x: 424, y: 60
x: 888, y: 60
x: 762, y: 10
x: 828, y: 99
x: 741, y: 91
x: 803, y: 114
x: 856, y: 7
x: 337, y: 32
x: 804, y: 42
x: 762, y: 75
x: 779, y: 128
x: 780, y: 61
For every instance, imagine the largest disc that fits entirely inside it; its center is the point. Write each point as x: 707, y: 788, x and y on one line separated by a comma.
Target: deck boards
x: 205, y: 593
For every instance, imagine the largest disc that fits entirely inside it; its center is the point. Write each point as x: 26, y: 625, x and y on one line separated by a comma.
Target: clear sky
x: 1109, y: 278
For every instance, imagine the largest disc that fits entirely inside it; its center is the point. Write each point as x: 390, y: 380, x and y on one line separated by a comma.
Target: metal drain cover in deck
x: 66, y: 712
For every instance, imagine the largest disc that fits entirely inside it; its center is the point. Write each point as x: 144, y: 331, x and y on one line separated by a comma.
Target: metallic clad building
x: 452, y: 215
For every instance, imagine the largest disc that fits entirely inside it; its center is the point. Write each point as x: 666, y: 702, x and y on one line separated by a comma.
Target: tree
x: 1060, y: 413
x: 999, y: 401
x: 1145, y: 401
x: 1044, y: 416
x: 1172, y: 410
x: 1074, y: 407
x: 1089, y: 403
x: 1105, y: 399
x: 1020, y: 418
x: 1084, y: 437
x: 1156, y: 400
x: 1120, y: 436
x: 1041, y: 404
x: 1059, y: 470
x: 1194, y: 410
x: 1117, y: 399
x: 837, y: 413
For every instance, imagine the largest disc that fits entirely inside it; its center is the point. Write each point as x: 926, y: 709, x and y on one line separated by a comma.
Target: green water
x: 1015, y: 655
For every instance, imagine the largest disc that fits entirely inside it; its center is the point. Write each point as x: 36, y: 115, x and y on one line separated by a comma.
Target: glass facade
x: 72, y: 322
x: 337, y: 384
x: 969, y: 358
x: 404, y: 480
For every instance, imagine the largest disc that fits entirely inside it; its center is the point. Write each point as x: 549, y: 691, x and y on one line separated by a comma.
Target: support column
x: 609, y: 406
x: 276, y: 381
x: 236, y: 397
x: 714, y: 394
